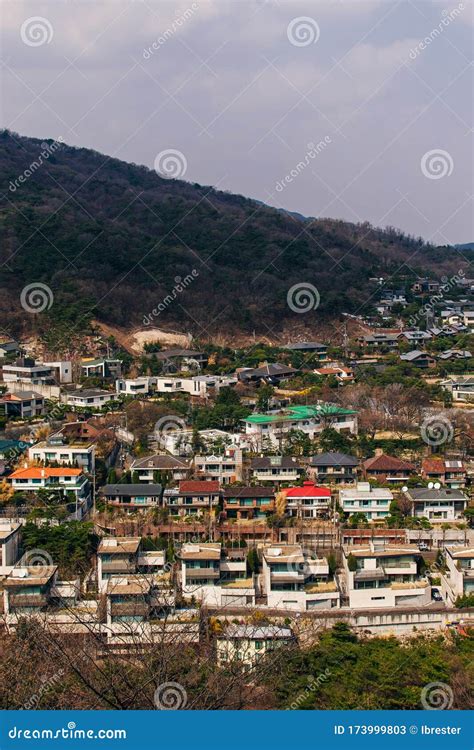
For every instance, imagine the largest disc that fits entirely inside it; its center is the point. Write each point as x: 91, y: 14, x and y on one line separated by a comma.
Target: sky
x: 349, y: 109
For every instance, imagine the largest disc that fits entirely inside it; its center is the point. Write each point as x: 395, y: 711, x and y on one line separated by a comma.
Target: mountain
x: 115, y: 241
x: 465, y: 246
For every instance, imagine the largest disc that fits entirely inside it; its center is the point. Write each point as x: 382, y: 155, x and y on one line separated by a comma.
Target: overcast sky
x: 246, y: 90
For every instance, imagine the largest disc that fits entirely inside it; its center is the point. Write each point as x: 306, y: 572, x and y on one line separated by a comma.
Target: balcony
x: 138, y: 608
x: 202, y: 573
x: 28, y: 600
x: 118, y: 566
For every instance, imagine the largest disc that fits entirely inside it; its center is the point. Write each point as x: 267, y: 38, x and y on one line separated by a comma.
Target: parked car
x: 423, y: 547
x: 436, y: 595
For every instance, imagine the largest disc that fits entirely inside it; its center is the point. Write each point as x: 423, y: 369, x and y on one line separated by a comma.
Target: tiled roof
x: 308, y: 490
x: 247, y: 492
x: 387, y: 463
x: 201, y: 488
x: 39, y: 473
x: 334, y: 459
x: 433, y: 465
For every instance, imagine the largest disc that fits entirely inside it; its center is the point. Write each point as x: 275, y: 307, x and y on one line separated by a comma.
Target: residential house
x: 133, y: 386
x: 28, y: 590
x: 341, y: 374
x: 390, y: 469
x: 120, y: 558
x: 106, y: 369
x: 10, y: 535
x: 454, y: 354
x: 176, y: 360
x: 425, y: 286
x: 415, y: 336
x: 55, y: 480
x: 438, y: 506
x: 225, y: 468
x: 272, y: 373
x: 148, y: 468
x: 8, y: 346
x: 373, y: 502
x: 459, y: 578
x: 461, y: 387
x: 193, y: 498
x: 56, y: 449
x: 276, y: 469
x: 131, y: 497
x: 418, y: 359
x: 272, y: 428
x: 320, y: 351
x: 450, y: 473
x: 384, y: 576
x: 381, y: 340
x: 333, y: 468
x: 247, y: 644
x: 27, y: 370
x: 468, y: 320
x: 308, y: 501
x: 216, y: 577
x: 22, y: 404
x: 294, y: 579
x: 248, y: 502
x: 88, y: 398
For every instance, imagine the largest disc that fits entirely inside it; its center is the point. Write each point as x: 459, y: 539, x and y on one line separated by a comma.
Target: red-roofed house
x: 450, y: 473
x: 308, y: 501
x: 193, y: 498
x: 388, y: 469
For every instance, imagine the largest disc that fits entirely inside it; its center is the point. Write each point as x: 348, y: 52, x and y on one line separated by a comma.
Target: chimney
x: 379, y: 451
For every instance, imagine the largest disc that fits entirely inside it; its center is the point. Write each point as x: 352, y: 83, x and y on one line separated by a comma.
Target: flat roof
x: 119, y: 545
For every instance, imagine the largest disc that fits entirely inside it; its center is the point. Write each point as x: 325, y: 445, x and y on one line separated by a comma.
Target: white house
x: 9, y: 545
x: 459, y: 578
x: 247, y: 644
x: 308, y: 501
x: 438, y: 505
x: 223, y: 468
x: 373, y: 502
x: 62, y: 480
x: 56, y: 449
x: 90, y: 398
x: 276, y: 469
x: 384, y: 577
x: 293, y: 579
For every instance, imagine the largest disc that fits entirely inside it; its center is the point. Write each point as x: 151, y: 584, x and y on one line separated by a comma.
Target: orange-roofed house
x: 61, y: 480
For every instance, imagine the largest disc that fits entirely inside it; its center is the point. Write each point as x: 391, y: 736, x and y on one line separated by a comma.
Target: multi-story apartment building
x: 438, y: 505
x: 334, y: 468
x: 27, y: 590
x: 308, y: 501
x: 146, y: 469
x: 121, y: 558
x: 459, y: 577
x: 214, y: 576
x: 193, y: 498
x: 57, y: 449
x: 225, y: 468
x: 373, y: 502
x: 248, y: 502
x: 272, y: 428
x: 384, y: 577
x: 293, y: 579
x: 276, y: 469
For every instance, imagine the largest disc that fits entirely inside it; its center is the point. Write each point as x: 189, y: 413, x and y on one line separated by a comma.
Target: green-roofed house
x: 273, y: 426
